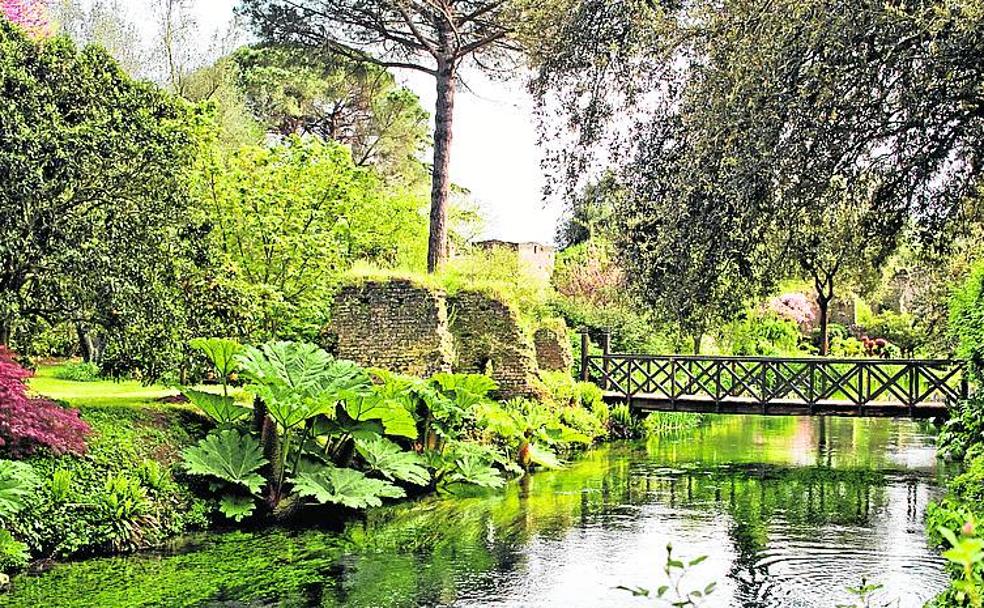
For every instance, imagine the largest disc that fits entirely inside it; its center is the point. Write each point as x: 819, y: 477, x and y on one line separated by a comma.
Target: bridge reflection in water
x: 912, y: 388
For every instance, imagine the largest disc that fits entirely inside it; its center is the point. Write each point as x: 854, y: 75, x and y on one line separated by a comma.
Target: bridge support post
x: 585, y: 352
x: 606, y: 350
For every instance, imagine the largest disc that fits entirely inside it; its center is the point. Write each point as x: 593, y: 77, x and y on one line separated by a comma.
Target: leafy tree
x: 776, y: 115
x: 291, y: 218
x: 293, y: 90
x: 95, y: 199
x: 431, y: 37
x: 102, y: 23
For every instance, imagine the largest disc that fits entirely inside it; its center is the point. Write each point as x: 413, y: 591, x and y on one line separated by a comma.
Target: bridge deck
x: 777, y: 407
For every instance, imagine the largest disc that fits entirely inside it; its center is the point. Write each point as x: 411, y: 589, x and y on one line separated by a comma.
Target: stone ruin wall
x: 407, y: 328
x: 553, y: 348
x: 395, y: 325
x: 489, y: 339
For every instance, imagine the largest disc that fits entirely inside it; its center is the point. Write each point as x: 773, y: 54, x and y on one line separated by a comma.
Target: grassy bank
x: 122, y: 493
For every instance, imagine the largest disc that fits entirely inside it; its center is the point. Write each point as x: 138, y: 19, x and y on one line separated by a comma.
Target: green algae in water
x: 787, y: 521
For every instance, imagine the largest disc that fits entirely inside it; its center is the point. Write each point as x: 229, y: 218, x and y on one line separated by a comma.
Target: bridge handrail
x: 808, y: 380
x: 761, y: 359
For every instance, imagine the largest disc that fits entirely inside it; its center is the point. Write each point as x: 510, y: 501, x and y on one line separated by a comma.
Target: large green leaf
x: 468, y: 389
x: 346, y: 487
x: 476, y: 471
x: 237, y: 508
x: 393, y: 413
x: 221, y: 408
x: 544, y: 457
x: 222, y: 352
x: 386, y: 457
x: 17, y: 484
x: 299, y: 381
x: 229, y: 456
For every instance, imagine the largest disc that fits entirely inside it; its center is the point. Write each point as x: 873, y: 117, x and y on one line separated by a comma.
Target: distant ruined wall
x: 407, y: 328
x: 553, y: 348
x: 489, y: 339
x: 393, y: 324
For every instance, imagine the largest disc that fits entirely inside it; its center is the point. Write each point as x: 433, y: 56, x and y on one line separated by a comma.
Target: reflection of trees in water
x: 436, y: 551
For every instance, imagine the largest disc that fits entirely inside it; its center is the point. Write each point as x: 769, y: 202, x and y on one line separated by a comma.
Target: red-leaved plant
x: 26, y: 424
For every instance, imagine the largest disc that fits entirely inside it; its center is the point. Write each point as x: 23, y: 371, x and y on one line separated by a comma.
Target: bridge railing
x: 811, y: 381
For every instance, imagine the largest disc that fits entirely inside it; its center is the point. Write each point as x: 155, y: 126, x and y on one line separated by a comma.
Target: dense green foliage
x: 122, y: 495
x: 95, y: 200
x: 290, y: 219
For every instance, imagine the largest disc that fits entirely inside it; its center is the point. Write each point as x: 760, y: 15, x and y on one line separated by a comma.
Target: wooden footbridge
x: 913, y: 388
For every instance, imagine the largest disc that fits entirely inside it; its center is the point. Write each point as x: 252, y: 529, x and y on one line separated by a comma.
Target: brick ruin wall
x: 398, y: 325
x: 395, y: 325
x: 489, y: 339
x: 553, y: 348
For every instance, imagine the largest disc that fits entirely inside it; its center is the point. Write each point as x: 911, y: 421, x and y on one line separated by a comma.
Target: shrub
x: 26, y: 424
x: 73, y: 512
x: 763, y: 334
x: 795, y: 307
x: 967, y: 320
x: 77, y: 372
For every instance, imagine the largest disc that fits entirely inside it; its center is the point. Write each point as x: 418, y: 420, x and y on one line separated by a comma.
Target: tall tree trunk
x: 825, y: 294
x: 824, y: 305
x: 698, y: 340
x: 6, y: 328
x: 86, y: 346
x: 437, y: 249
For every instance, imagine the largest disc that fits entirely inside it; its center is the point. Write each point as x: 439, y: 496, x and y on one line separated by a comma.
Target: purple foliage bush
x: 28, y: 425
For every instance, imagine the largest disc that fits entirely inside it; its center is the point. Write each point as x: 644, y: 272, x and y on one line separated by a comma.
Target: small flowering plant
x: 32, y: 15
x: 793, y: 306
x: 30, y: 424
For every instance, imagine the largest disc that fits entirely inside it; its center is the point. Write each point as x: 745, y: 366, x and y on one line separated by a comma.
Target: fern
x: 346, y: 487
x: 229, y: 456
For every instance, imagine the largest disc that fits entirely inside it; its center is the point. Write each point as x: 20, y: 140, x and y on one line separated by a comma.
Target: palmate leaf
x: 384, y: 456
x: 237, y: 508
x: 229, y: 456
x: 468, y: 389
x: 221, y: 352
x: 299, y: 381
x: 476, y: 471
x: 220, y: 408
x: 393, y: 413
x: 17, y: 484
x: 544, y: 457
x: 346, y: 487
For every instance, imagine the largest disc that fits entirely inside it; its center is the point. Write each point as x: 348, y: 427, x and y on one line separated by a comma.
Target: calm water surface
x: 789, y: 512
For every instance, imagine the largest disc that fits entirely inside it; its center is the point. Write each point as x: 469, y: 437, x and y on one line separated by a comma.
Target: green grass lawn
x: 101, y: 393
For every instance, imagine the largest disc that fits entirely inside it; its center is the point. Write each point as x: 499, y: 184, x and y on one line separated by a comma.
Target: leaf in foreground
x: 220, y: 408
x: 388, y: 458
x: 17, y: 483
x: 346, y: 487
x: 237, y: 508
x: 229, y: 456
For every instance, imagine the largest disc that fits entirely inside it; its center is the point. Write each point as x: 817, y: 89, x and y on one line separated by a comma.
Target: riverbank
x: 786, y: 521
x: 129, y: 491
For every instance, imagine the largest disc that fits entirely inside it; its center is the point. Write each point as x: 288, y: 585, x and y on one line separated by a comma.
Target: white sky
x: 494, y: 154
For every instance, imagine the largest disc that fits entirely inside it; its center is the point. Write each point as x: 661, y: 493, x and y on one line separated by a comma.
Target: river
x: 790, y: 513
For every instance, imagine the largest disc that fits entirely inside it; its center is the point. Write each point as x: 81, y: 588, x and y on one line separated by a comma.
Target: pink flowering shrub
x: 32, y: 15
x: 590, y: 275
x: 27, y: 425
x: 793, y: 306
